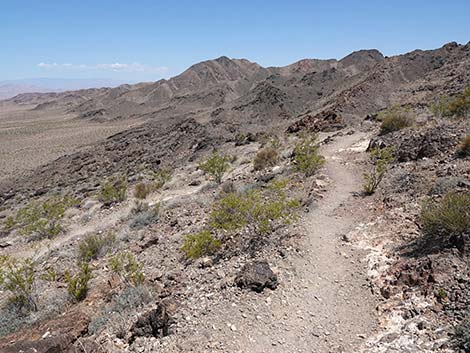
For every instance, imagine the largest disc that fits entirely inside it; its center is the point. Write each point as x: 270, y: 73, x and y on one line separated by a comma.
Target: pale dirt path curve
x: 326, y: 304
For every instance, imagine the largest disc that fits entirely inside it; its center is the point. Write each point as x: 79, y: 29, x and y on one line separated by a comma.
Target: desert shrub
x: 461, y: 337
x: 458, y: 105
x: 18, y: 278
x: 448, y: 217
x: 306, y: 157
x: 255, y: 208
x: 440, y: 294
x: 126, y: 266
x: 464, y: 148
x: 394, y: 119
x: 77, y: 285
x: 269, y: 139
x: 131, y: 298
x: 227, y: 188
x: 266, y: 157
x: 41, y: 218
x: 240, y: 138
x: 49, y: 275
x: 14, y: 318
x: 381, y: 159
x: 114, y: 190
x: 143, y: 215
x: 97, y: 324
x: 161, y: 177
x: 216, y: 166
x: 95, y: 245
x: 230, y: 212
x: 142, y: 190
x: 200, y: 244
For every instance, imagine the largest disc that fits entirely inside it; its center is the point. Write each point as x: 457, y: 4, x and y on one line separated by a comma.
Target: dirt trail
x: 326, y: 304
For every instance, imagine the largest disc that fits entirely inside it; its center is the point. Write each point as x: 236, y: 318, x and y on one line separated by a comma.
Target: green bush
x: 464, y: 148
x: 77, y: 285
x: 41, y: 218
x: 381, y: 158
x: 126, y: 266
x: 458, y: 105
x: 113, y: 191
x: 49, y: 275
x: 200, y: 244
x: 256, y: 209
x: 216, y: 166
x: 18, y: 277
x: 448, y: 217
x: 394, y: 119
x: 95, y: 245
x: 266, y: 157
x: 306, y: 157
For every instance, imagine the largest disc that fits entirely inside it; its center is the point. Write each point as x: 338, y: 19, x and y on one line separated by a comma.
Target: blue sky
x: 146, y: 40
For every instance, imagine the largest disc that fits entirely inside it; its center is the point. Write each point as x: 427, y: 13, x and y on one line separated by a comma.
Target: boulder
x: 154, y: 323
x: 57, y: 335
x: 256, y: 276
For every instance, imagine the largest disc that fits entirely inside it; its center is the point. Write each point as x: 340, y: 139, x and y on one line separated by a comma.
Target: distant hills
x: 238, y: 92
x: 11, y: 88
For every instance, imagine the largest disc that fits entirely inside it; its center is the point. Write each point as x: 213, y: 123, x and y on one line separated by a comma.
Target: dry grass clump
x: 464, y: 148
x: 265, y: 158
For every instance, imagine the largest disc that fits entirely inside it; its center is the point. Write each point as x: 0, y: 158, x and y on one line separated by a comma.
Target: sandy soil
x: 30, y: 138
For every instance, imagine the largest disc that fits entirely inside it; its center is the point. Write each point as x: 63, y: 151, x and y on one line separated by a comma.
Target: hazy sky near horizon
x: 144, y: 40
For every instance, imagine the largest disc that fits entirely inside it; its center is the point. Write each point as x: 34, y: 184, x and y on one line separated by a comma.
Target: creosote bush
x: 257, y: 209
x: 77, y: 285
x: 113, y: 191
x: 41, y: 219
x: 95, y: 245
x: 200, y: 244
x: 394, y: 119
x: 265, y: 158
x: 306, y: 157
x: 381, y: 159
x: 128, y: 268
x: 18, y: 278
x: 464, y: 148
x: 449, y: 217
x: 456, y: 106
x: 216, y: 166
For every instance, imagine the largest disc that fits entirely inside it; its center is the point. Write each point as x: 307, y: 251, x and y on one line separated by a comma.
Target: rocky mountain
x: 242, y: 91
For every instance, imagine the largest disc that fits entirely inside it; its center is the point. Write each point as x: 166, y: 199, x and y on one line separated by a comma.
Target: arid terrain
x: 323, y: 206
x: 30, y: 138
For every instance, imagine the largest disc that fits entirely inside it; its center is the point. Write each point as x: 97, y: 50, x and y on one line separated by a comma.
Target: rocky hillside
x: 326, y: 200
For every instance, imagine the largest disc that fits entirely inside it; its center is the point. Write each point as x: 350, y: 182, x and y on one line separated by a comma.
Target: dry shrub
x: 265, y: 158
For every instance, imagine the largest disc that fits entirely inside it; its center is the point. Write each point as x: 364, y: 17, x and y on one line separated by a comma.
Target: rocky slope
x: 349, y: 273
